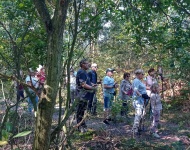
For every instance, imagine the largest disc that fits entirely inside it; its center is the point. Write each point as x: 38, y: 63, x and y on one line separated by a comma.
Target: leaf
x: 22, y: 134
x: 3, y: 143
x: 21, y: 5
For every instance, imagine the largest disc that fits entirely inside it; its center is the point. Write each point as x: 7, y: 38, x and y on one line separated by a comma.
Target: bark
x: 54, y: 28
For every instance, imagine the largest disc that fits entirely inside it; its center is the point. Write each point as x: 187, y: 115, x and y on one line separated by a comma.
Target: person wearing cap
x: 109, y: 86
x: 32, y: 81
x: 84, y: 88
x: 93, y: 79
x: 139, y: 95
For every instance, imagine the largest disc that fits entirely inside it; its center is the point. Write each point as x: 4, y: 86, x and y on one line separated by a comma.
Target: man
x: 93, y: 79
x: 32, y: 97
x: 84, y: 88
x: 109, y: 86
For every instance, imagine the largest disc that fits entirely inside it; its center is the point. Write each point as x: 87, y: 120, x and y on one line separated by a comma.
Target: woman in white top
x: 150, y: 79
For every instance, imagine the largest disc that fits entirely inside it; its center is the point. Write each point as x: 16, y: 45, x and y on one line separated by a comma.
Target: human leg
x: 94, y: 104
x: 82, y: 104
x: 106, y: 109
x: 155, y: 121
x: 138, y: 116
x: 124, y: 108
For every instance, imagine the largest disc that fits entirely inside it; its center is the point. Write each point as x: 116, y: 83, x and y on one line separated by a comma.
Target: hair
x: 139, y: 71
x: 154, y: 85
x: 82, y: 62
x: 125, y: 75
x: 150, y: 70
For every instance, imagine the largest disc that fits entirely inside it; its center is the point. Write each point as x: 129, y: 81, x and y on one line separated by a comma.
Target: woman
x: 139, y: 90
x: 124, y: 92
x: 150, y: 80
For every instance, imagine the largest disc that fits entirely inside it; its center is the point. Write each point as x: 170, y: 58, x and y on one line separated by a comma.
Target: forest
x: 122, y: 34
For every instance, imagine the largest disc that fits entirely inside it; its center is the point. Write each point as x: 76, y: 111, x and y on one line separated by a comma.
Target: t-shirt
x: 82, y: 77
x: 110, y: 82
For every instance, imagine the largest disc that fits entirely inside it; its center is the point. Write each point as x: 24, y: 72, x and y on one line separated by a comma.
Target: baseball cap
x: 109, y: 70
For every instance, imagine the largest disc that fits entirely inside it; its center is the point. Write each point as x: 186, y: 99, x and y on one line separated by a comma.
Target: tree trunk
x: 54, y: 28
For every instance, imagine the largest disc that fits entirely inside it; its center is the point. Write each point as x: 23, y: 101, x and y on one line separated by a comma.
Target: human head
x: 126, y: 75
x: 109, y: 72
x: 151, y: 72
x: 154, y: 88
x: 72, y: 71
x: 42, y: 69
x: 139, y: 73
x: 84, y: 64
x: 31, y: 72
x: 94, y: 66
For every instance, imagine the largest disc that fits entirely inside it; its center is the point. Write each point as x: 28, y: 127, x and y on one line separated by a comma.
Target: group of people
x: 36, y: 80
x: 141, y: 90
x: 83, y: 88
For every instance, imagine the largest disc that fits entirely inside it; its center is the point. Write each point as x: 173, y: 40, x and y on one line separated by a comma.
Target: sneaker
x: 106, y: 122
x: 155, y: 135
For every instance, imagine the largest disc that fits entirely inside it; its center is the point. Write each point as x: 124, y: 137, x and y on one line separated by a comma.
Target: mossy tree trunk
x: 54, y: 27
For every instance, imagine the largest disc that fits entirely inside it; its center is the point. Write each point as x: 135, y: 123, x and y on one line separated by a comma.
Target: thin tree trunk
x: 54, y: 28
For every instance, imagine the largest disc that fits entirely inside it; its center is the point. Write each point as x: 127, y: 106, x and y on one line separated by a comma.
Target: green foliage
x: 21, y: 134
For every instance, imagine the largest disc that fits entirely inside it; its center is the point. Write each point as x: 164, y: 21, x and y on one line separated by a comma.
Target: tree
x: 54, y: 28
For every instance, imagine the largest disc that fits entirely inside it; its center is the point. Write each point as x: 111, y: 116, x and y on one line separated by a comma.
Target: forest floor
x: 174, y: 130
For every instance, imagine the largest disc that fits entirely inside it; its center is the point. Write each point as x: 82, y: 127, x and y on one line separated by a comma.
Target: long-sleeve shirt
x: 125, y: 86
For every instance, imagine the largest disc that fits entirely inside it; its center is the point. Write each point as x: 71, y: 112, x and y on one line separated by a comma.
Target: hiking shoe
x: 155, y: 135
x: 83, y: 130
x: 106, y: 122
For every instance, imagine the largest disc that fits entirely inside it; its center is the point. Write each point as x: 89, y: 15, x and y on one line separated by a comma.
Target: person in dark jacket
x: 84, y: 89
x: 93, y: 79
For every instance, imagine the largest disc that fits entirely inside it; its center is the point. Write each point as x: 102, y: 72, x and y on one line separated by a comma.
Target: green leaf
x: 21, y: 5
x: 3, y: 143
x: 22, y: 134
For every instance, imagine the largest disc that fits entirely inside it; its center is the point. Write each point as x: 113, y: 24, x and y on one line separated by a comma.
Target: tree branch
x: 44, y: 14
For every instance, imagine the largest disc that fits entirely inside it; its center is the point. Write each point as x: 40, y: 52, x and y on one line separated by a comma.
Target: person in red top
x: 41, y: 77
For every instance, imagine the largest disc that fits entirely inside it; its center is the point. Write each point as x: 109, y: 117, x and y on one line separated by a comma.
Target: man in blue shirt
x: 84, y: 88
x: 93, y: 79
x: 109, y: 86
